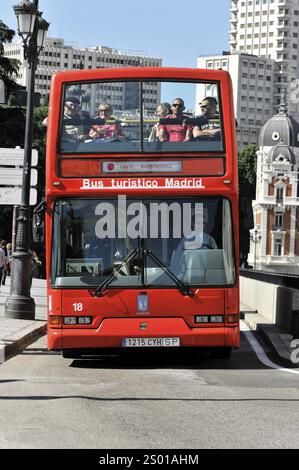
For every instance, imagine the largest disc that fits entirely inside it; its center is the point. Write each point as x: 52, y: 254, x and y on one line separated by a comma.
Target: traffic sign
x: 12, y: 196
x: 13, y: 177
x: 15, y: 157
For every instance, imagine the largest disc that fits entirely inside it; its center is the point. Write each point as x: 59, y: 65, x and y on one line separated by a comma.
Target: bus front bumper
x: 113, y: 332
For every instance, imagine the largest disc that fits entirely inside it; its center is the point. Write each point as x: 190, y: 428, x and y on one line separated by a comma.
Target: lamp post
x: 256, y: 238
x: 32, y: 28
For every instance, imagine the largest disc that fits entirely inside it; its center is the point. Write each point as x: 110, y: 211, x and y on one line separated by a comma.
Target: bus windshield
x: 191, y: 237
x: 143, y: 116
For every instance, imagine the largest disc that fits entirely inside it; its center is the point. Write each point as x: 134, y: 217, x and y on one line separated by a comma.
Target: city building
x: 252, y: 80
x: 270, y: 29
x: 58, y: 56
x: 275, y: 238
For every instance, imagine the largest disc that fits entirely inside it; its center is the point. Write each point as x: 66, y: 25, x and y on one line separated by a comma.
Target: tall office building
x: 270, y: 29
x: 59, y: 56
x: 252, y: 80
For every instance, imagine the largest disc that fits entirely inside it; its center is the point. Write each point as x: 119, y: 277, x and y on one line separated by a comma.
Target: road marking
x: 261, y: 355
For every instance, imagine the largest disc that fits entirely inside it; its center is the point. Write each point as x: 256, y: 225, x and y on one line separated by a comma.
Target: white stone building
x: 58, y: 56
x: 275, y: 238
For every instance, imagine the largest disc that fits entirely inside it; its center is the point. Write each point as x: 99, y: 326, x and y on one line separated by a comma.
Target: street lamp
x: 32, y: 28
x: 256, y: 238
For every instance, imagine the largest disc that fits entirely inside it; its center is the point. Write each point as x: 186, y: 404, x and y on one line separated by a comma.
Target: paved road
x: 147, y: 402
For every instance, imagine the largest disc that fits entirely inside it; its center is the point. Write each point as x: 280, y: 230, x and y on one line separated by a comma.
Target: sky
x: 175, y: 31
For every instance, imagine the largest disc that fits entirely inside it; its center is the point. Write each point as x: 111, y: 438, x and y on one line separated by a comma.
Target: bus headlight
x: 201, y: 319
x: 84, y: 320
x: 70, y: 320
x: 216, y: 319
x: 77, y: 320
x: 208, y: 318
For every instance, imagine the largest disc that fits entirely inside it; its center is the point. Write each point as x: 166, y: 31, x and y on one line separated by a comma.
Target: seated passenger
x: 163, y: 110
x: 209, y: 123
x: 108, y: 130
x: 176, y: 132
x: 72, y: 110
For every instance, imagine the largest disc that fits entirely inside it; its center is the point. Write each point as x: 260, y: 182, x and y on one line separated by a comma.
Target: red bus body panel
x: 171, y: 314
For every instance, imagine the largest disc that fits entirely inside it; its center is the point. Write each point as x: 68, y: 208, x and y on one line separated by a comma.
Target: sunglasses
x: 103, y: 110
x: 203, y: 106
x: 177, y: 105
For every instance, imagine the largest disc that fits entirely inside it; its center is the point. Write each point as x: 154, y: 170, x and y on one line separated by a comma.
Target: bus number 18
x: 78, y: 307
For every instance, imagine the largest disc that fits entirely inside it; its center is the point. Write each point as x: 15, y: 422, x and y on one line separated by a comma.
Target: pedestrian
x: 8, y: 258
x: 4, y: 274
x: 35, y: 265
x: 2, y: 263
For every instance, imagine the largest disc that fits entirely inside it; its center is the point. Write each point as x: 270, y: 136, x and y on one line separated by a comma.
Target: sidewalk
x: 276, y: 337
x: 16, y: 334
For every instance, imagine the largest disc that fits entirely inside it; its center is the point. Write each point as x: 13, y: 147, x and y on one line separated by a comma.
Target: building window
x: 279, y: 220
x: 277, y: 247
x: 279, y: 194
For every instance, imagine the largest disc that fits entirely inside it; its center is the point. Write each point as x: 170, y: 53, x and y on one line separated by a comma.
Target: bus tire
x: 71, y: 354
x: 221, y: 353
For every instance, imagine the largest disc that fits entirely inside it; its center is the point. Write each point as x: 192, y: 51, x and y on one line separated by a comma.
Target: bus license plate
x: 150, y: 342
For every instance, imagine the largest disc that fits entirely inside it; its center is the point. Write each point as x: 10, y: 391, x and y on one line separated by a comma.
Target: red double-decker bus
x: 142, y: 211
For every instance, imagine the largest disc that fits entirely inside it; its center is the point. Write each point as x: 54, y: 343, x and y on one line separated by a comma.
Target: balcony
x: 283, y: 26
x: 278, y: 228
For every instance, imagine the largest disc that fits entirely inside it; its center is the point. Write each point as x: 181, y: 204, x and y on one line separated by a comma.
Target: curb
x: 278, y: 340
x: 275, y: 342
x: 14, y: 346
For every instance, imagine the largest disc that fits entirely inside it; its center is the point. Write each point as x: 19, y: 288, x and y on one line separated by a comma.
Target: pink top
x: 177, y: 132
x: 104, y: 131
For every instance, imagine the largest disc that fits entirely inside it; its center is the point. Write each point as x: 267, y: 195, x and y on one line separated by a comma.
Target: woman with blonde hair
x: 108, y: 129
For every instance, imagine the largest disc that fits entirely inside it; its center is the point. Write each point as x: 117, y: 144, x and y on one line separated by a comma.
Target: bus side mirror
x: 38, y: 223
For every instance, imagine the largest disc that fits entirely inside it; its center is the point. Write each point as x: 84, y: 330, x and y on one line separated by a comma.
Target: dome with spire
x: 280, y: 129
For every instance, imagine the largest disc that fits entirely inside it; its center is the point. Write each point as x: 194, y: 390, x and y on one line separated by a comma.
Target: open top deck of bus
x: 85, y: 144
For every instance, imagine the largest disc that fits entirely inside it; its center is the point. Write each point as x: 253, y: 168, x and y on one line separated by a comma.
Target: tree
x: 247, y: 171
x: 247, y: 184
x: 8, y: 67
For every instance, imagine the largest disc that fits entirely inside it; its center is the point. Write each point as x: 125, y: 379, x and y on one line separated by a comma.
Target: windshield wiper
x: 183, y: 288
x: 99, y: 292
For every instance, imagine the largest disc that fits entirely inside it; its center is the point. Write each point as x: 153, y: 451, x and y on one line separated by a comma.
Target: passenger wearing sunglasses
x: 209, y: 125
x: 72, y: 111
x: 176, y: 132
x: 110, y: 128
